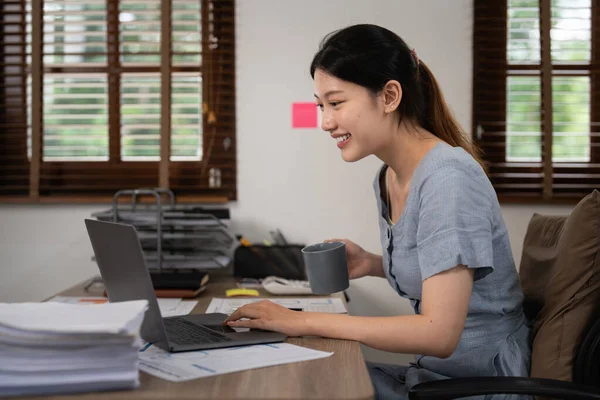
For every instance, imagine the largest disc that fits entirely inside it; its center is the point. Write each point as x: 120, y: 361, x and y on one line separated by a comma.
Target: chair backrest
x: 560, y: 278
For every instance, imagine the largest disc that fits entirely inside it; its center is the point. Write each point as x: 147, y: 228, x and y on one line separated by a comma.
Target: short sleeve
x: 455, y: 223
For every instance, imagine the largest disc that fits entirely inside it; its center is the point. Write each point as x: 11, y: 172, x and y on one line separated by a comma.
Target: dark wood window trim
x: 24, y: 179
x: 530, y: 182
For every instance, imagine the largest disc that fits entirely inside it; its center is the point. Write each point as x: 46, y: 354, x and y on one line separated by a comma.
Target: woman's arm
x: 436, y: 332
x: 376, y: 265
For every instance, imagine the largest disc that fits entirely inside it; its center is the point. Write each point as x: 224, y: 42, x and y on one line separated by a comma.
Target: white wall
x: 289, y: 179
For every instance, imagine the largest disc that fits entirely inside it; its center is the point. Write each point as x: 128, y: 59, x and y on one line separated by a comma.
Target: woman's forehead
x: 328, y: 85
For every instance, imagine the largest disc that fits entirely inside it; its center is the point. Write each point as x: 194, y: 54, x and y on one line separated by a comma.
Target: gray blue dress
x: 452, y: 217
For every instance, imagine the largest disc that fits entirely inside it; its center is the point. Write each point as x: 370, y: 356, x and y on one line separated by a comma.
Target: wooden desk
x: 341, y: 376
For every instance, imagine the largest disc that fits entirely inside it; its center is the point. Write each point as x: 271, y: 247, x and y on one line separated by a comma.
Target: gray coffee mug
x: 326, y: 267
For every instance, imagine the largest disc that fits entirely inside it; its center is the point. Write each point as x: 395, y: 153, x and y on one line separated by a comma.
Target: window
x: 102, y: 95
x: 535, y: 112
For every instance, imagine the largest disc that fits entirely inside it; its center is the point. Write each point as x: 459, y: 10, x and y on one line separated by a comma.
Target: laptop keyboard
x: 184, y: 332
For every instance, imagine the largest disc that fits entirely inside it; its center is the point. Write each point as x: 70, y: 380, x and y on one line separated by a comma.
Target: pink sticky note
x: 304, y: 115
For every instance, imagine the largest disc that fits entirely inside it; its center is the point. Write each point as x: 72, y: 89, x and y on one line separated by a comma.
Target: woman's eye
x: 333, y: 104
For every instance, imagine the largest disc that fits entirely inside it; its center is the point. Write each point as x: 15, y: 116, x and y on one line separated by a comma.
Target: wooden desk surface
x: 341, y: 376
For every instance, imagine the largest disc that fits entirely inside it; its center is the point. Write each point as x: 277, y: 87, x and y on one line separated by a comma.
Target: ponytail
x: 438, y: 119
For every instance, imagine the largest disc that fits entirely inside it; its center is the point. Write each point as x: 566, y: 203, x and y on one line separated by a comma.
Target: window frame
x: 518, y: 182
x: 93, y: 181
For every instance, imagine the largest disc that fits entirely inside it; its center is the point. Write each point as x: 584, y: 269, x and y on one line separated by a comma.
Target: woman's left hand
x: 269, y: 316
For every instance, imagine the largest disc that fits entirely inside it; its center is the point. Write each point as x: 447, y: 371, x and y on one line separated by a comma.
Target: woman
x: 445, y: 245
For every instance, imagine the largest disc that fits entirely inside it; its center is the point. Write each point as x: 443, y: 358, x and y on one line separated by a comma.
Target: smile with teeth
x: 342, y: 140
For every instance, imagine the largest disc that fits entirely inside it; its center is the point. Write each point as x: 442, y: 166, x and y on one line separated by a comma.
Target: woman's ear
x: 391, y: 96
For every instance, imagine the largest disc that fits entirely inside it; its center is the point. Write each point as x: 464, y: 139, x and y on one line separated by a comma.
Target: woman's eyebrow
x: 330, y: 93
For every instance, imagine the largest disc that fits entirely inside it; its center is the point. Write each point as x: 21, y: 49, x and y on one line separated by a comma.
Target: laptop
x: 121, y: 262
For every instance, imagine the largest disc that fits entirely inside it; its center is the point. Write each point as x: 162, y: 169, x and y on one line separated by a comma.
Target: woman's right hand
x: 360, y: 261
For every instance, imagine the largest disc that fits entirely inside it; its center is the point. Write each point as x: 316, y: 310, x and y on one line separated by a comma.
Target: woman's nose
x: 327, y: 122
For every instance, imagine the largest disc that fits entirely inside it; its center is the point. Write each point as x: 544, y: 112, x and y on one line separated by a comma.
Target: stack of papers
x: 54, y: 348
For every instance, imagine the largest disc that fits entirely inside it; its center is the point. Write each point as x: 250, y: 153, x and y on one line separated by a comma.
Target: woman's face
x: 354, y: 117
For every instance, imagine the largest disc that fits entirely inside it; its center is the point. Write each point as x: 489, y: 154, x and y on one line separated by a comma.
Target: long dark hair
x: 370, y: 56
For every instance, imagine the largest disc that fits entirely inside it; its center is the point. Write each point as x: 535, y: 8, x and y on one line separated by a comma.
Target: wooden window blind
x: 536, y: 106
x: 102, y: 95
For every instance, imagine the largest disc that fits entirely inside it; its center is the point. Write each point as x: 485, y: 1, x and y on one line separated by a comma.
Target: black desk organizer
x: 259, y: 261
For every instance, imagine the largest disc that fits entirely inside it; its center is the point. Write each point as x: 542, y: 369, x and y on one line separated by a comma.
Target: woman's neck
x: 406, y: 149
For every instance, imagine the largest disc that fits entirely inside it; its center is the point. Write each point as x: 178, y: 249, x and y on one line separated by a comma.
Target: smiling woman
x: 444, y: 243
x: 389, y: 75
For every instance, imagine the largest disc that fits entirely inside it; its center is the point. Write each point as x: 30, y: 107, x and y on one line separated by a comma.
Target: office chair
x: 560, y: 278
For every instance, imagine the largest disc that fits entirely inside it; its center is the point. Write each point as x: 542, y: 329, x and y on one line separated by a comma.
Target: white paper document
x: 111, y: 318
x: 333, y: 305
x: 179, y: 367
x: 169, y: 307
x: 184, y: 307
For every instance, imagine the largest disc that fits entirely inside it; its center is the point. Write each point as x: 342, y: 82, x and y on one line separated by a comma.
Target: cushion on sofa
x: 571, y: 296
